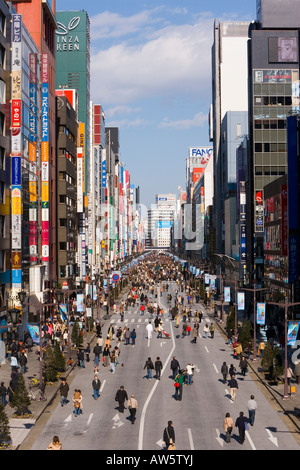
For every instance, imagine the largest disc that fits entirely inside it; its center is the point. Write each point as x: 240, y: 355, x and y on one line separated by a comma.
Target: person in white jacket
x: 149, y: 329
x: 189, y: 374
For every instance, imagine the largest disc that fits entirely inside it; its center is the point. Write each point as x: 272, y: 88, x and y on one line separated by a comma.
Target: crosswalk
x: 137, y: 318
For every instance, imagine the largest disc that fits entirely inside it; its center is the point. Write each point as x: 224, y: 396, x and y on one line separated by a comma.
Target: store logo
x: 62, y: 29
x: 66, y: 39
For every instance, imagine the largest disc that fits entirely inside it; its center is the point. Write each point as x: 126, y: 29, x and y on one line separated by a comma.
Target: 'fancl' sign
x: 200, y: 151
x: 201, y: 155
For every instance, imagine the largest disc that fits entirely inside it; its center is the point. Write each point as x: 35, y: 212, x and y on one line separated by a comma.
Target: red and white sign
x: 16, y: 113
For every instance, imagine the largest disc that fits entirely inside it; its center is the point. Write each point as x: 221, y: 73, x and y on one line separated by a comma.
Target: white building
x: 161, y: 218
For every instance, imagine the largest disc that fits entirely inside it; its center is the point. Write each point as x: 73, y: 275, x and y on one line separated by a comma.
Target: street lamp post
x: 254, y: 290
x: 286, y: 305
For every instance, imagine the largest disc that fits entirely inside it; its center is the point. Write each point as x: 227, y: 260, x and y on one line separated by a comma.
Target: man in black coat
x: 121, y: 396
x: 158, y: 367
x: 64, y: 390
x: 175, y: 367
x: 96, y: 384
x: 169, y: 434
x: 240, y: 423
x: 97, y: 351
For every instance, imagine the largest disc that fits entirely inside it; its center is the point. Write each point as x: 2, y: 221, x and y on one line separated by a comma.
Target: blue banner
x: 241, y: 300
x: 226, y: 294
x: 79, y: 301
x: 261, y: 314
x: 63, y: 311
x: 292, y: 332
x: 34, y: 332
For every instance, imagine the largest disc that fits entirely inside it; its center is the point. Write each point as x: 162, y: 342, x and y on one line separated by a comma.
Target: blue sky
x: 151, y: 72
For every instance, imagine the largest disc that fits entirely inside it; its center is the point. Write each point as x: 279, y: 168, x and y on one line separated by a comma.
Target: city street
x: 197, y: 419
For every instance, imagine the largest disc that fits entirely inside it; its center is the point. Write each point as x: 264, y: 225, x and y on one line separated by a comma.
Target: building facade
x: 273, y: 95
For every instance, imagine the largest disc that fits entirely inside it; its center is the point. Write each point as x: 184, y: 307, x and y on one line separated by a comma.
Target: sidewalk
x: 289, y: 407
x: 21, y: 427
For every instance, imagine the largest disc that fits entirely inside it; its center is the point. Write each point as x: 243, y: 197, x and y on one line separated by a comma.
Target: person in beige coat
x: 132, y: 406
x: 228, y: 426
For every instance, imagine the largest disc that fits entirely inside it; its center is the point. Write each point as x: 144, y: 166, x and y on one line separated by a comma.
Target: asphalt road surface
x: 198, y: 418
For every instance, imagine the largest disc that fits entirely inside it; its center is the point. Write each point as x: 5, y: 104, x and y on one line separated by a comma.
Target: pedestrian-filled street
x: 204, y: 398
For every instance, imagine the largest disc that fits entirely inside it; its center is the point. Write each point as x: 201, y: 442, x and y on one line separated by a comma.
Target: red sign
x: 16, y: 113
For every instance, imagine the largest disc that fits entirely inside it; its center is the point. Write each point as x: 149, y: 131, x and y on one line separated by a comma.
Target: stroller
x: 166, y: 335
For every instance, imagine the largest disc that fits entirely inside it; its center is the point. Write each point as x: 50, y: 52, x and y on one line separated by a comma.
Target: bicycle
x: 39, y: 394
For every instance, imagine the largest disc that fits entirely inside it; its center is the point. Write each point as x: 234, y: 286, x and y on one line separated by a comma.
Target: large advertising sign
x: 260, y: 313
x: 293, y: 327
x: 45, y: 162
x: 226, y: 294
x: 241, y: 300
x: 16, y: 122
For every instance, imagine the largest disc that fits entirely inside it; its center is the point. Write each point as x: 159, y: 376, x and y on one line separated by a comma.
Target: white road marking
x: 191, y: 439
x: 206, y: 349
x: 250, y: 440
x: 215, y: 367
x: 272, y: 438
x: 102, y: 385
x: 117, y: 422
x: 143, y: 415
x: 220, y: 441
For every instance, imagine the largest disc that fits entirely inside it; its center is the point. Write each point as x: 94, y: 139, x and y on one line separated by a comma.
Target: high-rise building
x: 72, y: 52
x: 161, y: 217
x: 229, y: 93
x: 273, y: 95
x: 5, y: 137
x: 67, y: 224
x: 39, y: 18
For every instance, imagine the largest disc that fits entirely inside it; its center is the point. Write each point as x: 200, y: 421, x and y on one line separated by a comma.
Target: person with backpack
x: 169, y: 435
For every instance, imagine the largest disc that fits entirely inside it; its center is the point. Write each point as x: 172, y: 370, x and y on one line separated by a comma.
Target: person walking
x: 127, y: 336
x: 205, y: 331
x: 243, y: 365
x: 158, y: 367
x: 96, y: 384
x: 241, y: 424
x: 149, y: 329
x: 194, y: 334
x: 261, y: 349
x: 120, y: 397
x: 3, y: 393
x: 132, y: 406
x: 175, y: 366
x: 179, y: 379
x: 224, y: 371
x: 212, y: 330
x: 297, y: 372
x: 133, y: 337
x: 106, y: 356
x: 252, y: 407
x: 97, y: 351
x: 232, y: 370
x: 228, y: 426
x: 80, y: 357
x: 88, y: 352
x: 169, y: 434
x: 149, y: 366
x: 77, y: 400
x: 23, y: 363
x: 55, y: 444
x: 189, y: 374
x: 233, y: 387
x: 64, y: 390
